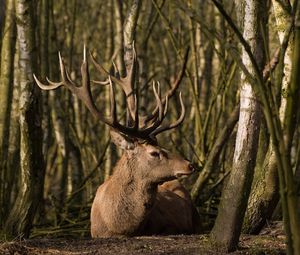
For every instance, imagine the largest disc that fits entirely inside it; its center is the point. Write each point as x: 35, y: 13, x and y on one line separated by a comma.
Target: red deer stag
x: 134, y: 200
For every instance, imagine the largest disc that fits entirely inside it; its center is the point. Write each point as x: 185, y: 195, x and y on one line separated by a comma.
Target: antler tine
x: 113, y: 105
x: 63, y: 74
x: 99, y: 67
x: 158, y: 100
x: 83, y: 92
x: 126, y: 83
x: 136, y: 113
x: 117, y: 72
x: 106, y: 82
x: 161, y: 115
x: 175, y: 124
x: 139, y: 129
x: 166, y: 105
x: 85, y: 76
x: 173, y: 88
x: 52, y: 85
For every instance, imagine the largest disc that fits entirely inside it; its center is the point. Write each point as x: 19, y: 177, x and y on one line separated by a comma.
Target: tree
x: 265, y: 193
x: 6, y: 85
x: 21, y: 217
x: 234, y: 199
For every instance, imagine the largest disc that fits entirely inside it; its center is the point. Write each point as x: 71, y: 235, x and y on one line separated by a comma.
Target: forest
x: 185, y: 112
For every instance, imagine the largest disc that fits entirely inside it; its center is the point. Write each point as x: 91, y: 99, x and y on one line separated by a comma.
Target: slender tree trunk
x: 13, y: 158
x: 21, y: 217
x: 290, y: 120
x: 130, y: 31
x: 109, y: 52
x: 2, y: 18
x: 196, y: 52
x: 265, y: 193
x: 44, y: 71
x: 119, y: 38
x: 206, y: 75
x: 6, y: 86
x: 58, y: 118
x: 264, y: 196
x: 234, y: 200
x: 215, y: 152
x: 297, y: 164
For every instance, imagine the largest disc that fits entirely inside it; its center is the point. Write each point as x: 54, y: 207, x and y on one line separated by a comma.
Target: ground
x: 181, y: 244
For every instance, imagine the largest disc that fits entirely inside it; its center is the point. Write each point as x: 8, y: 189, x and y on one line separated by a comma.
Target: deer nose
x: 191, y: 167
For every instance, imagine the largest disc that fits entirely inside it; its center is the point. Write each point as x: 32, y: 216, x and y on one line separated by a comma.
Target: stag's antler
x: 139, y: 128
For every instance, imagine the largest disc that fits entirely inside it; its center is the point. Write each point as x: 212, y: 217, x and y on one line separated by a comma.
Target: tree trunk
x: 21, y: 217
x: 264, y: 196
x: 234, y: 199
x: 2, y: 18
x: 13, y: 158
x: 6, y: 86
x: 129, y: 32
x: 265, y: 193
x: 44, y: 70
x: 109, y: 53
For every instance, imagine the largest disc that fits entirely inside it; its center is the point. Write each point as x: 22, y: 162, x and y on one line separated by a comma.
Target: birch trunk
x: 265, y: 194
x: 6, y: 86
x: 234, y: 199
x: 21, y: 217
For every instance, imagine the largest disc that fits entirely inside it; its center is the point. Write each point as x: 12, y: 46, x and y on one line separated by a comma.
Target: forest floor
x: 181, y: 244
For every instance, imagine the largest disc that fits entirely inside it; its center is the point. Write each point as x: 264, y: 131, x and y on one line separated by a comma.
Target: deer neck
x: 131, y: 184
x: 135, y: 197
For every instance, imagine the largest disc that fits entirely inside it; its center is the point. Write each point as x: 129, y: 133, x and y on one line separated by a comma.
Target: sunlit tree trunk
x: 130, y: 31
x: 265, y: 192
x: 119, y: 38
x: 6, y: 87
x: 21, y: 217
x: 13, y: 158
x: 2, y: 18
x: 206, y: 77
x: 235, y: 195
x: 109, y: 53
x: 292, y: 109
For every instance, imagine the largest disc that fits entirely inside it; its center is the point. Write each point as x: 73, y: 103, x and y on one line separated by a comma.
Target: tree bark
x: 6, y: 86
x: 21, y: 217
x: 227, y: 228
x: 109, y: 52
x: 265, y: 193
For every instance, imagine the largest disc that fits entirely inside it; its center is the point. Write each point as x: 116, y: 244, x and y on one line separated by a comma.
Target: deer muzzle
x: 187, y: 170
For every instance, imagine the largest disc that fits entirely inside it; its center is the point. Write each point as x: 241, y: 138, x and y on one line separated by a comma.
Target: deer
x: 143, y: 195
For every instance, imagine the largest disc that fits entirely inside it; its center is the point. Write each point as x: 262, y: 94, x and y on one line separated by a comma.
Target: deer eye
x: 154, y: 154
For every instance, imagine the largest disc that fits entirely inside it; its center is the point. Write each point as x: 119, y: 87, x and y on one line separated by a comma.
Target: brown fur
x: 131, y: 202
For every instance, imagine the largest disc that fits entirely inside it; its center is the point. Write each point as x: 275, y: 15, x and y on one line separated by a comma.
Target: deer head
x: 150, y: 162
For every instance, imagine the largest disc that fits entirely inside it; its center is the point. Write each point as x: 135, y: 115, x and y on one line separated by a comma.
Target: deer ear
x: 122, y: 141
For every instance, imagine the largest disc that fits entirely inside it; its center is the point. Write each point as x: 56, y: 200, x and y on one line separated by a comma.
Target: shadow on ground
x: 181, y: 244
